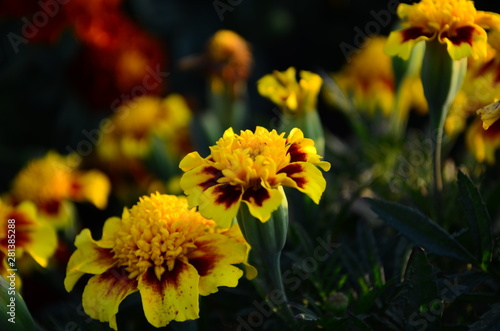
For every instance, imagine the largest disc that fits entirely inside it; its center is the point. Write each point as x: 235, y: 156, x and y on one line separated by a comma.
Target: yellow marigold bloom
x: 250, y: 167
x: 371, y: 87
x: 53, y: 181
x: 20, y: 232
x: 455, y: 23
x: 282, y: 88
x: 134, y: 124
x: 229, y: 60
x: 159, y: 247
x: 483, y: 143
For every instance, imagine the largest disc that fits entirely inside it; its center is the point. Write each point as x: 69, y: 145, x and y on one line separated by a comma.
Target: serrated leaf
x: 420, y: 290
x: 420, y: 229
x: 477, y: 217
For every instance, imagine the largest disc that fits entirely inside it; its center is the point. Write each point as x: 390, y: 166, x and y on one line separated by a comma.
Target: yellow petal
x: 94, y: 186
x: 190, y: 161
x: 88, y: 258
x: 197, y: 180
x: 104, y: 293
x: 470, y: 41
x: 214, y: 258
x: 306, y: 178
x: 221, y: 203
x: 235, y: 232
x: 175, y: 297
x: 401, y: 42
x: 262, y: 202
x: 43, y: 243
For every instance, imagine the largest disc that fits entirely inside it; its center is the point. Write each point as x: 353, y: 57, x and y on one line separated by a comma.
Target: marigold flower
x: 159, y: 247
x: 53, y: 181
x: 372, y: 87
x: 250, y: 167
x: 455, y: 23
x: 135, y: 123
x: 229, y: 60
x: 282, y: 88
x: 36, y: 238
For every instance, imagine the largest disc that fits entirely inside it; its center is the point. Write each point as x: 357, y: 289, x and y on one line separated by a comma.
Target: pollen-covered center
x: 249, y: 159
x: 157, y: 233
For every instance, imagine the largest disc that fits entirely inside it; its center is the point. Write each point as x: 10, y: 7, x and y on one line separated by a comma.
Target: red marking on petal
x: 461, y: 35
x: 414, y: 33
x: 116, y: 278
x: 227, y: 194
x: 51, y: 207
x: 259, y: 195
x: 168, y: 278
x: 216, y: 173
x: 76, y: 189
x: 292, y: 169
x: 205, y: 263
x: 296, y: 154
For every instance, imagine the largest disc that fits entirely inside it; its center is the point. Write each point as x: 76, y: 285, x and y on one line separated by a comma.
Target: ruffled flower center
x: 442, y: 15
x: 158, y: 232
x: 250, y: 159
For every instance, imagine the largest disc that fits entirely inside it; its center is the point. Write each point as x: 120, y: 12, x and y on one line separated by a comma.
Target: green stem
x: 267, y: 240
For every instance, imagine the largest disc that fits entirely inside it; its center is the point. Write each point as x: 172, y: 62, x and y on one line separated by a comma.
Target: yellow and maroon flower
x: 372, y: 87
x: 159, y: 247
x: 282, y: 88
x: 53, y: 181
x: 455, y: 23
x: 20, y: 232
x: 250, y: 167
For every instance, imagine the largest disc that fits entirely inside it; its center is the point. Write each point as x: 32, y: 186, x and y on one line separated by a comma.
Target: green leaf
x: 422, y: 303
x: 420, y: 229
x: 477, y: 217
x: 15, y: 313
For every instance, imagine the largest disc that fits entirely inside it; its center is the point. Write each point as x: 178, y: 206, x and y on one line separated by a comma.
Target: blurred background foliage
x: 58, y: 85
